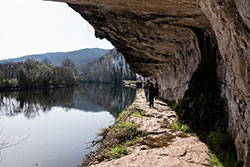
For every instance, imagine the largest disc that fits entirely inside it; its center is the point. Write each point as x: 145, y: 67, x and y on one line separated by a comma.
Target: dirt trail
x: 163, y: 147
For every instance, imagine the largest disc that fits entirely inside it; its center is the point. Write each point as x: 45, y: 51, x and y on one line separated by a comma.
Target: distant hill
x: 78, y: 56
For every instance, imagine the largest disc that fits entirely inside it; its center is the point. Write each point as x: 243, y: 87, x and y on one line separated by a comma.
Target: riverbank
x: 148, y: 140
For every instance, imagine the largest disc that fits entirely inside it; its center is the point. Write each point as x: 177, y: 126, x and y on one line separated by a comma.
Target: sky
x: 36, y: 26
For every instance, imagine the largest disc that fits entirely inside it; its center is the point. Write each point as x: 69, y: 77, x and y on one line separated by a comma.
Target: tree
x: 1, y: 79
x: 64, y: 77
x: 69, y: 63
x: 31, y: 74
x: 8, y: 75
x: 45, y: 76
x: 28, y: 73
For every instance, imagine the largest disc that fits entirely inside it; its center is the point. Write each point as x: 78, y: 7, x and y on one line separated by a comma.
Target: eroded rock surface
x: 167, y: 40
x: 184, y: 152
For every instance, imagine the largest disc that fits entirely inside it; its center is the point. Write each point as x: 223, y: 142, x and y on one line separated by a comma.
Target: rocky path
x: 162, y: 147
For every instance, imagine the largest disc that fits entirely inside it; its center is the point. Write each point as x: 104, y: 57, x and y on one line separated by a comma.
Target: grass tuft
x: 140, y: 90
x: 119, y: 151
x: 134, y: 141
x: 119, y: 136
x: 222, y: 149
x: 179, y: 126
x: 137, y: 114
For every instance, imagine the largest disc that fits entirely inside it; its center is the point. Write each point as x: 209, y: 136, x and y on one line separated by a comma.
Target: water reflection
x: 57, y: 139
x: 114, y: 98
x: 87, y: 97
x: 29, y: 103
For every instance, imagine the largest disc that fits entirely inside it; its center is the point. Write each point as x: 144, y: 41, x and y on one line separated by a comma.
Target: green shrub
x: 122, y: 116
x: 125, y: 130
x: 119, y: 151
x: 134, y: 141
x: 137, y: 114
x: 177, y: 125
x: 222, y: 148
x: 120, y: 135
x: 172, y: 104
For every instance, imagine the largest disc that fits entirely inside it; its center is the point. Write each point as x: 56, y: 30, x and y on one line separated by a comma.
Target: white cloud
x: 36, y: 26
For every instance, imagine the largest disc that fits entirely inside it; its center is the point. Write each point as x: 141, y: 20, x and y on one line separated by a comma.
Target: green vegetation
x: 203, y: 113
x: 32, y: 74
x: 177, y: 125
x: 124, y: 130
x: 68, y: 63
x: 137, y: 101
x: 196, y: 116
x: 119, y: 151
x: 195, y: 112
x: 119, y: 136
x: 222, y: 148
x: 140, y: 90
x: 138, y: 112
x: 134, y: 141
x: 172, y: 104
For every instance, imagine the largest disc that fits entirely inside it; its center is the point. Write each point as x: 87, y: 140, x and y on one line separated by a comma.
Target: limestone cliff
x: 169, y: 40
x: 111, y: 68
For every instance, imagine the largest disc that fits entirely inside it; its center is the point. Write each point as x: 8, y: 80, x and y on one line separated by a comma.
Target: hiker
x: 146, y: 89
x: 156, y: 89
x: 151, y: 94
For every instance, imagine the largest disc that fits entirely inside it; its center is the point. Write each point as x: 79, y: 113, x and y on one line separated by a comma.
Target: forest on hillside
x: 32, y: 74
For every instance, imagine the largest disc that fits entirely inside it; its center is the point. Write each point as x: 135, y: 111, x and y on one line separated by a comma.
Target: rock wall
x: 230, y: 23
x: 111, y: 68
x: 162, y: 39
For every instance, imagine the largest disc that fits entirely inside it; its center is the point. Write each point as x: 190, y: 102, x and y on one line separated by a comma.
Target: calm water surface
x: 57, y: 125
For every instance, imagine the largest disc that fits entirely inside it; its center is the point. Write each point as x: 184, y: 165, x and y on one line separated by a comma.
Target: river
x: 54, y: 128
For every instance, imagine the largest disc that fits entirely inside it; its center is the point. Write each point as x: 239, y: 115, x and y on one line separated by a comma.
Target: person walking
x: 151, y: 94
